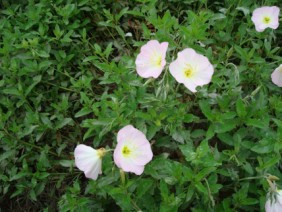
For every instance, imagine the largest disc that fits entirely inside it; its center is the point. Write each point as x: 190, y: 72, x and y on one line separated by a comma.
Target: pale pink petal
x: 176, y: 70
x: 276, y: 76
x: 88, y: 161
x: 149, y: 71
x: 191, y: 86
x: 270, y: 12
x: 200, y: 67
x: 94, y: 170
x: 274, y: 24
x: 274, y: 206
x: 139, y: 154
x: 163, y: 48
x: 129, y: 166
x: 129, y: 133
x: 151, y: 59
x: 84, y: 155
x: 203, y: 76
x: 187, y: 55
x: 260, y: 27
x: 118, y: 154
x: 143, y: 155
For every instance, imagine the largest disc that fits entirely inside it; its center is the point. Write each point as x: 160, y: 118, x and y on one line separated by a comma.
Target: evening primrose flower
x: 133, y: 150
x: 89, y: 160
x: 274, y: 205
x: 151, y: 59
x: 276, y: 76
x: 265, y: 17
x: 191, y: 69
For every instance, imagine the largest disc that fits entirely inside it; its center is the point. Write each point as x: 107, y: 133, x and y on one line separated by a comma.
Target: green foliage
x: 67, y: 76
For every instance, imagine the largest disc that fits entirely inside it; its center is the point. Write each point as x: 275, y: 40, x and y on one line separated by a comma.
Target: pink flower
x: 276, y: 204
x: 191, y: 69
x: 276, y: 76
x: 133, y: 150
x: 264, y: 17
x: 89, y: 160
x: 151, y: 59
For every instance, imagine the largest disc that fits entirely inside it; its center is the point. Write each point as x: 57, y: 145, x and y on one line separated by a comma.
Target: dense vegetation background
x: 67, y: 77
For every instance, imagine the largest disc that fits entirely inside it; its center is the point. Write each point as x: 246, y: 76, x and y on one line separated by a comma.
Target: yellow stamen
x: 101, y: 152
x: 266, y: 20
x: 188, y: 71
x: 126, y: 151
x: 156, y: 60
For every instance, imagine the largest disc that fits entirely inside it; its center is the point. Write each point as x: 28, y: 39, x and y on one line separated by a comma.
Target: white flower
x: 276, y: 204
x: 276, y: 76
x: 191, y: 69
x: 89, y: 160
x: 133, y: 150
x: 151, y: 59
x: 265, y: 17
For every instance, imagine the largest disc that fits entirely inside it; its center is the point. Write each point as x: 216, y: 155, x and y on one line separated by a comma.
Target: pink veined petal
x: 124, y: 132
x: 163, y: 49
x: 140, y: 150
x: 84, y: 156
x: 176, y: 69
x: 118, y: 154
x: 190, y: 85
x: 94, y: 171
x: 146, y: 48
x: 260, y: 27
x: 273, y: 206
x: 152, y: 45
x: 149, y: 71
x: 203, y: 76
x: 128, y: 165
x: 256, y: 15
x: 274, y: 23
x: 147, y: 64
x: 260, y: 13
x: 202, y: 70
x: 143, y: 57
x: 275, y: 11
x: 199, y: 81
x: 88, y: 161
x: 129, y: 133
x: 143, y: 155
x: 187, y: 55
x: 276, y: 76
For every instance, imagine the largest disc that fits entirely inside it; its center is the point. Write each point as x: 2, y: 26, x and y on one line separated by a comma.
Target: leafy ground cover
x: 68, y: 77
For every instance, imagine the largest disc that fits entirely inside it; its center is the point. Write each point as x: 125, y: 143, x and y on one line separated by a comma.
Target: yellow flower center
x: 266, y: 20
x: 156, y: 60
x: 126, y: 151
x: 188, y: 71
x: 280, y: 69
x: 101, y: 152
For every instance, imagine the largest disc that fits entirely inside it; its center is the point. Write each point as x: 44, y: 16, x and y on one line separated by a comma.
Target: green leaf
x: 64, y: 122
x: 188, y: 152
x: 259, y: 123
x: 241, y: 108
x: 205, y: 107
x: 84, y: 111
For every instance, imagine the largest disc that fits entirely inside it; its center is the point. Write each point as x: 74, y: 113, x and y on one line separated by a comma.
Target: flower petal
x: 129, y: 133
x: 133, y: 150
x: 151, y: 59
x: 260, y: 15
x: 129, y: 166
x: 276, y: 76
x: 191, y: 69
x: 88, y: 161
x: 143, y: 155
